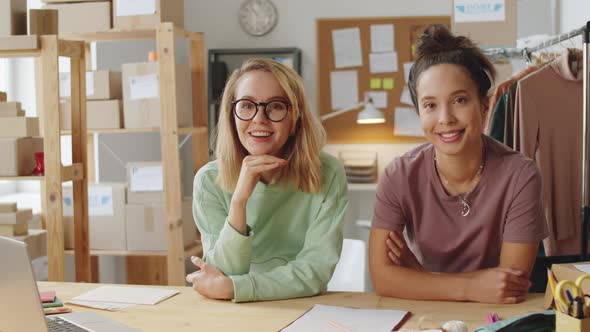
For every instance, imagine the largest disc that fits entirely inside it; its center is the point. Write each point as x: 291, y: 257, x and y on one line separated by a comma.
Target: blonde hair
x: 302, y: 148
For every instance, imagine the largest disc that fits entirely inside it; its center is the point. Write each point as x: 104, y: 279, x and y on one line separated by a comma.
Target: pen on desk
x: 338, y: 326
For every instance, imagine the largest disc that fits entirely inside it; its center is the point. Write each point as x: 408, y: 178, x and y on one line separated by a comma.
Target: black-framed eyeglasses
x: 246, y: 109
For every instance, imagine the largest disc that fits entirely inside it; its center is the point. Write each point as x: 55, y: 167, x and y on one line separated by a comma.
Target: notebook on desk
x: 331, y: 318
x: 20, y: 304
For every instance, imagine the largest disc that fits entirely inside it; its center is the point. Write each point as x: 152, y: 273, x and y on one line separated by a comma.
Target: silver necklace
x: 465, y: 208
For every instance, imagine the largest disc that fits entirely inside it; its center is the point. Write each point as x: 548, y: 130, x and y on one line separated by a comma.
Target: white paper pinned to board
x: 144, y: 87
x: 407, y: 68
x: 382, y: 38
x: 383, y: 62
x: 479, y: 11
x: 65, y: 84
x: 135, y: 7
x: 407, y: 122
x: 379, y: 98
x: 146, y: 178
x: 347, y: 48
x: 344, y: 88
x: 406, y: 97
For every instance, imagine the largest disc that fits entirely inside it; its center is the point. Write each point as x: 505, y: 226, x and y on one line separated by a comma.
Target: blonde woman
x: 270, y: 208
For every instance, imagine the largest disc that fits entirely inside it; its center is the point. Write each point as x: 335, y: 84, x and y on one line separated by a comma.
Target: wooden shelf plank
x: 23, y: 178
x: 195, y: 250
x: 116, y: 34
x: 181, y: 131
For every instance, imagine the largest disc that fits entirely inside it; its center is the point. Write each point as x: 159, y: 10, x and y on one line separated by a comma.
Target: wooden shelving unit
x: 165, y: 34
x: 47, y: 83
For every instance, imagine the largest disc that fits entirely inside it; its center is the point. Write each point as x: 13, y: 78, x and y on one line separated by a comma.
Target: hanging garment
x: 500, y: 90
x: 548, y: 128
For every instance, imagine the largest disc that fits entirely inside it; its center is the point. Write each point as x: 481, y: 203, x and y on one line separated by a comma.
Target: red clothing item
x: 548, y: 128
x: 505, y: 207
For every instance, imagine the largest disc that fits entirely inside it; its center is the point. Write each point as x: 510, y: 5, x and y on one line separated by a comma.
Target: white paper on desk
x: 110, y: 306
x: 406, y: 122
x: 135, y: 7
x: 144, y: 87
x: 130, y: 295
x: 357, y: 320
x: 65, y: 84
x: 406, y: 97
x: 479, y: 11
x: 407, y: 68
x: 146, y: 178
x: 379, y: 98
x: 347, y: 48
x: 383, y: 62
x: 382, y: 38
x: 583, y: 267
x: 344, y: 88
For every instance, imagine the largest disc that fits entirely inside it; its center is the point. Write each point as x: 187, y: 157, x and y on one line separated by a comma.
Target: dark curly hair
x: 437, y: 45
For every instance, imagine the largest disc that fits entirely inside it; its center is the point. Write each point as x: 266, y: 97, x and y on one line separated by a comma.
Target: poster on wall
x: 479, y: 10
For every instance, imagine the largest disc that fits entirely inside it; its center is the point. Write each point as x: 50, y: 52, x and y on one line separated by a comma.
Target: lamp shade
x: 370, y: 114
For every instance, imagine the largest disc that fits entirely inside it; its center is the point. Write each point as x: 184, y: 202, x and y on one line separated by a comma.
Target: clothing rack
x: 509, y: 53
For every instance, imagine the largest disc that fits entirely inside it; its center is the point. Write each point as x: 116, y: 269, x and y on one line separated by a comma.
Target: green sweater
x: 294, y: 239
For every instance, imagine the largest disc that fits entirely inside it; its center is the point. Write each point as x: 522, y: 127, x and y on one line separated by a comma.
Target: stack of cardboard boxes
x: 103, y: 106
x: 14, y: 223
x: 129, y: 216
x: 141, y: 95
x: 18, y: 143
x: 147, y: 226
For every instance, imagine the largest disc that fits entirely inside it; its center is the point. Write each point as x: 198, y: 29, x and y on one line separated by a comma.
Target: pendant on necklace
x: 465, y: 208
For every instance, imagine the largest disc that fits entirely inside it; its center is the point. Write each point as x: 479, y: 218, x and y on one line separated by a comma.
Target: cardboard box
x: 106, y: 85
x: 494, y: 32
x: 141, y: 95
x: 67, y: 1
x: 146, y: 14
x: 17, y: 229
x: 18, y: 217
x: 106, y: 221
x: 19, y: 127
x: 43, y: 22
x: 7, y: 207
x: 145, y: 182
x: 36, y: 241
x: 13, y: 17
x: 82, y: 17
x: 10, y: 109
x: 19, y: 43
x: 18, y: 155
x: 100, y: 85
x: 100, y: 114
x: 3, y: 96
x: 147, y: 227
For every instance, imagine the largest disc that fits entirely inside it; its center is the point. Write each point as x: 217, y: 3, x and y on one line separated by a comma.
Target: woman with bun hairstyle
x: 270, y: 208
x: 470, y: 207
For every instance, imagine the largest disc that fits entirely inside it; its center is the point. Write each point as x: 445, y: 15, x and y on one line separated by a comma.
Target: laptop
x: 20, y: 304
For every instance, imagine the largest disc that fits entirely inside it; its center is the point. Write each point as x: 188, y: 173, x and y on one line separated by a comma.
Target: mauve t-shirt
x: 506, y: 205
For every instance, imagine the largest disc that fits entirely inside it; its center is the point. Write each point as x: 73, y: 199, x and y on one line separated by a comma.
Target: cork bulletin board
x: 343, y: 128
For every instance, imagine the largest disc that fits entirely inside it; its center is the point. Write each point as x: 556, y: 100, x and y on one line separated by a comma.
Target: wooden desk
x: 188, y: 311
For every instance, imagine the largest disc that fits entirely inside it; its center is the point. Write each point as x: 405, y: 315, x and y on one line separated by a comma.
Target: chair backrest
x: 349, y: 275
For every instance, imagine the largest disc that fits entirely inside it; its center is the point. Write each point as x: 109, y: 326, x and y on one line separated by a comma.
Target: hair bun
x: 437, y: 38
